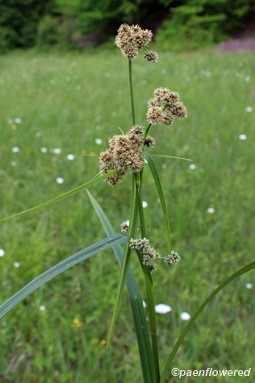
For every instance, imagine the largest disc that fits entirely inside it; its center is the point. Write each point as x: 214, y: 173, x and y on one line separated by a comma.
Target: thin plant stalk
x: 149, y: 290
x: 126, y: 262
x: 148, y: 279
x: 152, y: 323
x: 131, y: 91
x: 147, y: 131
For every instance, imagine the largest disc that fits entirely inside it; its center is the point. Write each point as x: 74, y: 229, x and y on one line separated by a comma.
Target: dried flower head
x: 124, y: 154
x: 131, y: 39
x: 164, y: 107
x: 151, y: 57
x: 172, y: 258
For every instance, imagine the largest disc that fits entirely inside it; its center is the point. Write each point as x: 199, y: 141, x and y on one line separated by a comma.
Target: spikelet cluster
x: 147, y: 252
x: 151, y: 57
x: 124, y: 154
x: 131, y: 39
x: 172, y: 258
x: 149, y: 142
x: 164, y: 107
x: 124, y: 227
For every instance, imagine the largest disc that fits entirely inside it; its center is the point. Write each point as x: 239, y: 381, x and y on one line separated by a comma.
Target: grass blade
x: 237, y: 274
x: 149, y: 290
x: 173, y: 157
x: 141, y: 324
x: 161, y: 196
x: 60, y: 268
x: 60, y: 196
x: 126, y: 259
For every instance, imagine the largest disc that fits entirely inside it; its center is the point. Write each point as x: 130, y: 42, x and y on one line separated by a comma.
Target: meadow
x: 57, y: 114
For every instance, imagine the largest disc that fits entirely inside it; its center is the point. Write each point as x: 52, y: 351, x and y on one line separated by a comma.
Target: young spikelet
x: 149, y: 142
x: 164, y: 107
x: 172, y: 258
x: 151, y: 57
x: 124, y: 154
x: 124, y: 227
x: 147, y: 252
x: 131, y: 39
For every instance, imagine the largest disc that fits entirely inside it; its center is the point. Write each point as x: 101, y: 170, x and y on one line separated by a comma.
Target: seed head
x: 172, y: 258
x: 151, y: 57
x: 155, y: 114
x: 149, y: 142
x: 164, y: 107
x: 179, y: 110
x: 140, y: 244
x: 147, y: 252
x: 124, y: 154
x: 165, y: 95
x: 130, y: 39
x: 124, y: 227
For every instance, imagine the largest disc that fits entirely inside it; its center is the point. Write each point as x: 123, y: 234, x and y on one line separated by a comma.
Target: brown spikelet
x: 131, y: 39
x: 164, y: 107
x: 124, y: 154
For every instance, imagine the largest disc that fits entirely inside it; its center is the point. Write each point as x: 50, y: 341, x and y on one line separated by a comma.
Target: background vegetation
x: 54, y: 102
x: 69, y: 24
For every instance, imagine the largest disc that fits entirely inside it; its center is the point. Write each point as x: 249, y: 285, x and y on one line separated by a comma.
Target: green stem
x: 152, y: 323
x: 126, y: 260
x: 149, y: 288
x: 139, y: 178
x: 146, y: 132
x: 137, y: 205
x: 131, y: 91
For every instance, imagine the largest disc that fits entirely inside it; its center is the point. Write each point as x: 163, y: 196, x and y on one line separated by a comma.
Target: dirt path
x: 238, y: 45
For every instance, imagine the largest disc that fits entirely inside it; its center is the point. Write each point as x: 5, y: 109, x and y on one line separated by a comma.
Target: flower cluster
x: 147, y: 252
x: 149, y: 142
x: 172, y: 258
x: 124, y: 227
x: 124, y: 154
x: 151, y: 57
x: 164, y: 107
x: 131, y: 39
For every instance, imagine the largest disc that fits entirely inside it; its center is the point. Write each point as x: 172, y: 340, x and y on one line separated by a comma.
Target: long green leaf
x: 149, y: 290
x: 178, y: 343
x: 174, y: 157
x: 61, y: 196
x: 141, y: 324
x: 59, y: 268
x: 126, y: 259
x: 161, y: 196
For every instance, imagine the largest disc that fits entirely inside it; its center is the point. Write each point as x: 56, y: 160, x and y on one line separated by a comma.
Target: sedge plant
x: 127, y: 153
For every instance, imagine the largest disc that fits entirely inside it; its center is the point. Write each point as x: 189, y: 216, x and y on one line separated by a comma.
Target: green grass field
x: 76, y: 102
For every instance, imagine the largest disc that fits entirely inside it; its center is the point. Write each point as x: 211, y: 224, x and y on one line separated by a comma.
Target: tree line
x: 76, y: 24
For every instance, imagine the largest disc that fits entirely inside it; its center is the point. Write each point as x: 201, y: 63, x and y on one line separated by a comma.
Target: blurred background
x: 77, y: 24
x: 63, y: 94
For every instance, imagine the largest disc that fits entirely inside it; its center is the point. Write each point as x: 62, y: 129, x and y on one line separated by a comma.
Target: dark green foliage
x: 192, y: 24
x: 56, y: 32
x: 19, y: 20
x: 179, y: 24
x: 99, y: 20
x: 47, y: 33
